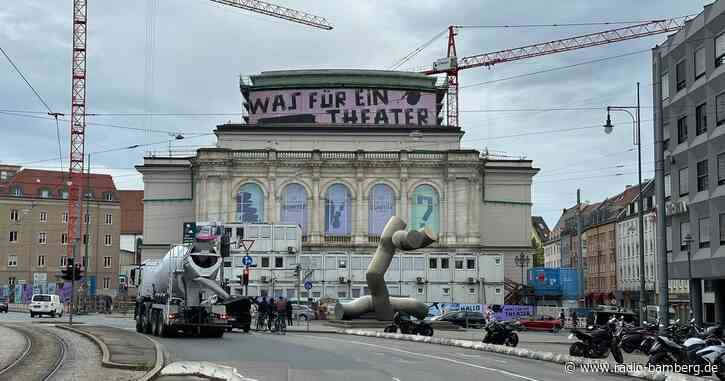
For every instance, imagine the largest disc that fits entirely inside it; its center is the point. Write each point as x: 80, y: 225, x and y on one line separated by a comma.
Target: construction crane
x: 451, y: 64
x: 78, y: 95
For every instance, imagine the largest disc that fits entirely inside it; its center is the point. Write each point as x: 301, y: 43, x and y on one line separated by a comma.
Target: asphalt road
x: 268, y: 357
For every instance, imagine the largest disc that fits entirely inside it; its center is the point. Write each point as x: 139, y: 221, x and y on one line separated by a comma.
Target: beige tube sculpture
x: 394, y: 237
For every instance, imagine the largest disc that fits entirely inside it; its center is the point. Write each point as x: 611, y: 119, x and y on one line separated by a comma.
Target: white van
x: 46, y: 304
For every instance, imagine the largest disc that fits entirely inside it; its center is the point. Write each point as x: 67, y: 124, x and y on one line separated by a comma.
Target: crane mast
x: 451, y: 65
x: 77, y: 123
x: 78, y: 95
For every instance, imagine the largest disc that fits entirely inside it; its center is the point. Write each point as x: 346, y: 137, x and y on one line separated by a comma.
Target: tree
x: 538, y: 253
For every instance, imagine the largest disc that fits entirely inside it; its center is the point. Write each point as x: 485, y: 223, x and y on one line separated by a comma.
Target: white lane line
x: 396, y: 379
x: 479, y: 356
x: 454, y: 361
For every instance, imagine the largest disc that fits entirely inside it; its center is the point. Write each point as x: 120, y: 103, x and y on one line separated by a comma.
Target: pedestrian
x: 490, y: 316
x: 262, y: 313
x: 281, y: 310
x: 270, y: 313
x: 289, y: 312
x: 574, y: 319
x: 562, y: 317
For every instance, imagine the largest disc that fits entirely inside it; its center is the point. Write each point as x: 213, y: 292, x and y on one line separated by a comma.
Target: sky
x: 201, y: 48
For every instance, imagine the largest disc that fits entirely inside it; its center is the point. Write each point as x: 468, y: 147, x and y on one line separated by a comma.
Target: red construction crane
x: 451, y: 65
x: 78, y: 94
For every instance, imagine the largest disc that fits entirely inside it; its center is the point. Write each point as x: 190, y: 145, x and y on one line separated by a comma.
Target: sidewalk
x: 121, y: 348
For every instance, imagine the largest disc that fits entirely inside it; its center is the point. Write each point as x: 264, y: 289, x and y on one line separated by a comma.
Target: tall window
x: 684, y: 231
x: 425, y: 208
x: 87, y: 219
x: 338, y: 213
x: 64, y: 218
x: 701, y: 119
x: 682, y: 130
x: 43, y: 238
x: 107, y: 240
x: 63, y: 238
x: 108, y: 196
x: 109, y: 219
x: 681, y: 75
x: 683, y: 181
x: 43, y: 216
x: 106, y: 283
x: 432, y: 263
x: 445, y: 263
x: 702, y: 179
x: 12, y: 260
x: 381, y: 208
x: 14, y: 215
x: 41, y: 260
x: 704, y: 232
x: 250, y: 203
x: 13, y: 236
x: 665, y: 86
x: 107, y: 262
x: 721, y: 168
x: 719, y: 49
x: 699, y: 62
x: 294, y: 206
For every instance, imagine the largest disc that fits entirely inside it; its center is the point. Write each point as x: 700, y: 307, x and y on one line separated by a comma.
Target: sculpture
x: 379, y: 301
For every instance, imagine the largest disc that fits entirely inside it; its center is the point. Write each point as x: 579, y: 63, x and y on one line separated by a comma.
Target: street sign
x: 308, y: 285
x: 246, y: 244
x: 189, y: 232
x: 247, y: 260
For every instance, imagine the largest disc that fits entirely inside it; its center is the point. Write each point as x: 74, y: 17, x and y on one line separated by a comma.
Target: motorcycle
x: 714, y: 355
x: 408, y: 326
x: 666, y: 351
x: 638, y: 338
x: 599, y: 342
x: 501, y: 333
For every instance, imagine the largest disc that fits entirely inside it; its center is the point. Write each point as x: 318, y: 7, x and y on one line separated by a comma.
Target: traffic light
x: 245, y: 276
x: 78, y: 272
x: 298, y: 269
x: 67, y: 272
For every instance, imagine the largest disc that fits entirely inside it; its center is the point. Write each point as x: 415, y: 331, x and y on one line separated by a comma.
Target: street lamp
x: 608, y: 127
x: 522, y: 260
x: 688, y: 242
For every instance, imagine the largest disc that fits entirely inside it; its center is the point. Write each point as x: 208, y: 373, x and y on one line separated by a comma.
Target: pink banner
x: 343, y: 106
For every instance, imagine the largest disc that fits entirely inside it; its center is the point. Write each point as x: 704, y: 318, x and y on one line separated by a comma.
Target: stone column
x: 316, y: 222
x: 360, y: 215
x: 475, y: 205
x: 204, y: 198
x: 272, y: 202
x: 460, y: 209
x: 450, y: 204
x: 226, y: 197
x: 402, y: 209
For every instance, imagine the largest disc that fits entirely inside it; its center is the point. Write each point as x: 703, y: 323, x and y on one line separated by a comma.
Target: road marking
x: 396, y: 379
x: 454, y: 361
x: 479, y: 356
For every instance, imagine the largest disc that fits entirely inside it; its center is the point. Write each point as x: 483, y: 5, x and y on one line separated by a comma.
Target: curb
x: 557, y: 358
x: 151, y: 374
x: 106, y: 354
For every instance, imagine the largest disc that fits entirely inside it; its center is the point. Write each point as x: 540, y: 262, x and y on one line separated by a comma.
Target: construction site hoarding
x: 349, y: 106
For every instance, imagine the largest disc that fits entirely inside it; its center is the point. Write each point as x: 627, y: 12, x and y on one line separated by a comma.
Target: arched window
x: 338, y: 214
x: 381, y: 208
x: 294, y: 206
x: 425, y: 208
x: 250, y: 203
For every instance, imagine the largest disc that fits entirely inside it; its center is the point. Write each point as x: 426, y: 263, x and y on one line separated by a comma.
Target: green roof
x: 333, y: 78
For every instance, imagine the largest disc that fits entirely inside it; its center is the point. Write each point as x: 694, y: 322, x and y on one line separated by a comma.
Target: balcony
x: 272, y: 155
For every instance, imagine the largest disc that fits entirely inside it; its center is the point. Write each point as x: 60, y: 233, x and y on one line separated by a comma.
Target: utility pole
x: 662, y: 271
x: 579, y: 229
x: 642, y: 273
x: 72, y: 281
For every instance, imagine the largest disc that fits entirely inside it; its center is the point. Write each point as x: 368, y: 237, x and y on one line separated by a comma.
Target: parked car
x: 302, y: 312
x: 542, y: 323
x: 465, y: 319
x: 4, y: 305
x: 46, y: 304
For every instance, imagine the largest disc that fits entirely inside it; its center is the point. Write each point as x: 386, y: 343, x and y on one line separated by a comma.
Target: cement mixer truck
x: 180, y: 292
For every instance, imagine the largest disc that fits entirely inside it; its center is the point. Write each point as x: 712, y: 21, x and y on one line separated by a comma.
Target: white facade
x: 552, y: 254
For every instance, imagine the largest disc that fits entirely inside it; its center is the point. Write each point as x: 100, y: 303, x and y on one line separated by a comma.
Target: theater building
x: 338, y: 152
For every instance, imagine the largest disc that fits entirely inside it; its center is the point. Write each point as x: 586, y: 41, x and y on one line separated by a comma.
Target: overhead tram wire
x: 37, y: 94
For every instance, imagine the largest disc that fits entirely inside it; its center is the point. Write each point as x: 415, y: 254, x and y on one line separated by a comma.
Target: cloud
x: 203, y: 47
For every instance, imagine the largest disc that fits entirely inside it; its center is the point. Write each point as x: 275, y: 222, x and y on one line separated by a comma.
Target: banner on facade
x: 435, y: 309
x: 382, y: 207
x: 425, y: 208
x: 250, y: 204
x: 294, y: 206
x: 337, y: 211
x: 344, y: 106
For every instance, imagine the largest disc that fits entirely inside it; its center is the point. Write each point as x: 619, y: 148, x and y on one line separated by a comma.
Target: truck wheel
x: 148, y: 323
x: 217, y: 332
x: 165, y: 330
